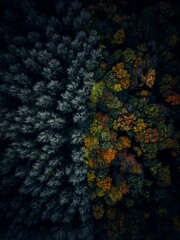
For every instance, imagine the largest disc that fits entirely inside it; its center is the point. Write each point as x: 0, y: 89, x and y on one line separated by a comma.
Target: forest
x: 89, y: 120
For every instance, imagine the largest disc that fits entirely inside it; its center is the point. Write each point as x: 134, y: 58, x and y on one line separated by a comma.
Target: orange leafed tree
x: 105, y: 183
x: 149, y: 78
x: 126, y: 142
x: 109, y: 155
x: 174, y: 99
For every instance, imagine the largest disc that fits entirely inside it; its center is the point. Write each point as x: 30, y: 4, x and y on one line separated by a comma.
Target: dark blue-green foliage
x: 46, y: 74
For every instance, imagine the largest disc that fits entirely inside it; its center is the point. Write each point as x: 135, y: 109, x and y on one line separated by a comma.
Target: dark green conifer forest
x: 89, y: 120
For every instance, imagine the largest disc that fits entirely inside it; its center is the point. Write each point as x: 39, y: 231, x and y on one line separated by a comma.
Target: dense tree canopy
x: 89, y: 116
